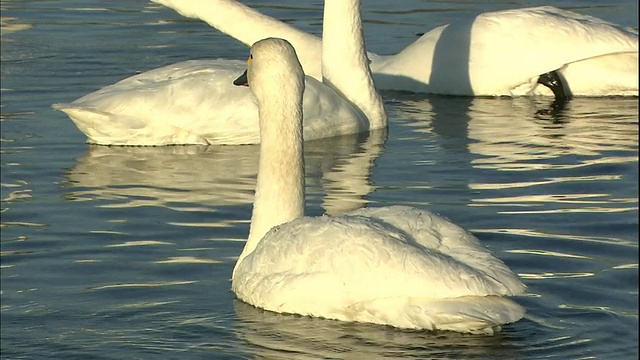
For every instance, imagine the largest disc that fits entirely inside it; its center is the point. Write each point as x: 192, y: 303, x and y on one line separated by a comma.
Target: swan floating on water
x: 195, y: 102
x: 396, y: 265
x: 498, y: 53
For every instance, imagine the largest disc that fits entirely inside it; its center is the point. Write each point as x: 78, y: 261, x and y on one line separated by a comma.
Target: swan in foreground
x: 499, y: 53
x: 195, y: 102
x: 397, y: 265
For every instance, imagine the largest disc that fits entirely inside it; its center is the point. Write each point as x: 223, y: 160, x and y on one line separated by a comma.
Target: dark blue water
x: 126, y: 253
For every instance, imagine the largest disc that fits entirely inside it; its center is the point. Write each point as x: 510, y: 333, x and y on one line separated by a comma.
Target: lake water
x: 126, y: 253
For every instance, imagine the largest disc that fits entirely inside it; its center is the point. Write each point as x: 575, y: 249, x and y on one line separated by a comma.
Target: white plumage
x: 397, y: 265
x: 498, y: 53
x: 493, y: 54
x: 195, y: 102
x: 502, y: 53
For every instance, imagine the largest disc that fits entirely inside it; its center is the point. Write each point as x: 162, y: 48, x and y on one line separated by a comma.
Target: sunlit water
x: 123, y: 253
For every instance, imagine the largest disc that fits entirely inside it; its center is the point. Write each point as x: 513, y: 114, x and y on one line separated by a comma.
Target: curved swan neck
x: 280, y: 193
x: 345, y: 66
x: 248, y: 26
x: 279, y: 196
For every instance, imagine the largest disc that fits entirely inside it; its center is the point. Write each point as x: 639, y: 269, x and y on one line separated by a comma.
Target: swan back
x: 276, y: 79
x: 345, y: 66
x: 504, y: 52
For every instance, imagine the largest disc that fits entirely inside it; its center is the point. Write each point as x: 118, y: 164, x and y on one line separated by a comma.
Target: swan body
x: 195, y: 102
x: 499, y: 53
x: 504, y: 53
x: 397, y: 265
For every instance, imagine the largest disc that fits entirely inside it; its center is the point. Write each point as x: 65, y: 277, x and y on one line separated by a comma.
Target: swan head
x: 273, y: 71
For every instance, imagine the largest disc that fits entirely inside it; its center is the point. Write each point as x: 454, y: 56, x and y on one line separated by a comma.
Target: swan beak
x: 242, y: 80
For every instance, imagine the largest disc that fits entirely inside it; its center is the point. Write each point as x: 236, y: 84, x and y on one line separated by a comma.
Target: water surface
x: 127, y: 252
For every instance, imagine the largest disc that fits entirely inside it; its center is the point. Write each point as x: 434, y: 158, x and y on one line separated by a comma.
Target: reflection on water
x: 189, y: 177
x: 10, y: 25
x: 590, y: 145
x: 510, y: 134
x: 589, y: 141
x: 560, y: 192
x: 279, y: 336
x: 509, y: 139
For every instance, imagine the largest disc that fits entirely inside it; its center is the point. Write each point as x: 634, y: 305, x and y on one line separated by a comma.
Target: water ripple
x: 142, y: 285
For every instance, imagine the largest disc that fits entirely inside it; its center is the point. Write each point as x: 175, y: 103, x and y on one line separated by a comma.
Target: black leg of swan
x: 554, y: 113
x: 554, y: 83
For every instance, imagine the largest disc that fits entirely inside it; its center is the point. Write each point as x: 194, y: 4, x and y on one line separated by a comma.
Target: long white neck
x: 248, y: 26
x: 280, y: 194
x: 345, y: 66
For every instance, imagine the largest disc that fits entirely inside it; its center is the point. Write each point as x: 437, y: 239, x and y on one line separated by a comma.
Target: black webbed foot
x: 553, y: 81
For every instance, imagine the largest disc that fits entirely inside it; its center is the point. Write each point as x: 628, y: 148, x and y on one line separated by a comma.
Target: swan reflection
x: 188, y: 177
x: 556, y: 156
x: 519, y: 134
x: 10, y: 25
x: 510, y: 139
x: 280, y: 336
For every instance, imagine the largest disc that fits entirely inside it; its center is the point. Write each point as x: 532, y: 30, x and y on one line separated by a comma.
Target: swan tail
x: 105, y: 128
x: 89, y: 121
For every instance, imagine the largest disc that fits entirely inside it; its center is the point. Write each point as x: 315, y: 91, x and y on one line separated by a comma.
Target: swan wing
x: 519, y: 45
x: 434, y: 232
x: 328, y: 114
x: 504, y: 52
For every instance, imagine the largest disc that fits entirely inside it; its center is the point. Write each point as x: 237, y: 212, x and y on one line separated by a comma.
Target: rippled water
x: 127, y: 252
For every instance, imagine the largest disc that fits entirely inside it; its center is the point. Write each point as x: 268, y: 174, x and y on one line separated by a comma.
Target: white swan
x: 194, y: 102
x: 500, y: 53
x: 397, y: 265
